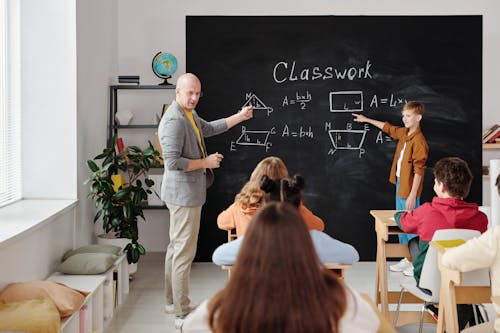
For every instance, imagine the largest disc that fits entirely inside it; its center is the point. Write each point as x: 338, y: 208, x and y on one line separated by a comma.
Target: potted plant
x: 118, y: 192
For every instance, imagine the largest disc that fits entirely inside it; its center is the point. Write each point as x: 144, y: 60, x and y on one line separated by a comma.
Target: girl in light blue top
x: 329, y: 250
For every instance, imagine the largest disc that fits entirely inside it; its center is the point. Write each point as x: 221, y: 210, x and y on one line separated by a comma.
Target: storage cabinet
x: 106, y: 292
x: 145, y: 102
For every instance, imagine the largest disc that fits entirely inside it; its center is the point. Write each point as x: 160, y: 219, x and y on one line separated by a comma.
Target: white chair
x: 430, y: 277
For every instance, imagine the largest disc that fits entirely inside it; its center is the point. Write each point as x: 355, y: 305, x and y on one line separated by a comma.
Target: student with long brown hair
x: 251, y: 197
x: 328, y: 249
x: 279, y: 285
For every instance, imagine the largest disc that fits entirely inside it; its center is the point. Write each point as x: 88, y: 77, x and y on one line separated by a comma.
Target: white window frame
x: 10, y: 112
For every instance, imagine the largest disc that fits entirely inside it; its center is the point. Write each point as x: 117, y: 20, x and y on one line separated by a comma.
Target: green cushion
x: 93, y: 248
x: 87, y: 263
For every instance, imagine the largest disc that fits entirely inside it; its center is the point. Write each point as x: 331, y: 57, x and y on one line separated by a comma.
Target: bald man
x: 188, y: 173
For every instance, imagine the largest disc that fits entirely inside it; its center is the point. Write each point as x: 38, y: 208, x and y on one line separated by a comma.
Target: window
x: 10, y: 119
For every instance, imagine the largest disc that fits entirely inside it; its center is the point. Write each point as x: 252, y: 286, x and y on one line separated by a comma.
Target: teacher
x: 187, y: 174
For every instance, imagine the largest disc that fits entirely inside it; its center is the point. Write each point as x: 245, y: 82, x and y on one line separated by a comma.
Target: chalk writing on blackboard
x: 347, y: 139
x: 392, y: 101
x: 253, y: 138
x: 346, y: 101
x: 284, y: 71
x: 301, y: 132
x: 299, y: 98
x: 253, y: 100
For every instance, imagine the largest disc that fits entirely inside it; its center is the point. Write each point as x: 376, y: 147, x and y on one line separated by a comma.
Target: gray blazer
x: 180, y: 144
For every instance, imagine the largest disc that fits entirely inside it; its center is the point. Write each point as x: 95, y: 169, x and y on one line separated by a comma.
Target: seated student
x: 250, y: 198
x: 327, y: 248
x: 448, y: 210
x: 279, y: 285
x: 480, y: 252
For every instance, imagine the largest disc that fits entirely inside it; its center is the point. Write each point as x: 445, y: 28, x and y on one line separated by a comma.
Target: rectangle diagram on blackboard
x: 346, y: 101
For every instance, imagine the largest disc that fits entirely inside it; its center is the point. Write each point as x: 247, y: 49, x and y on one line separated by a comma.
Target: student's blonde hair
x: 417, y: 107
x: 251, y: 195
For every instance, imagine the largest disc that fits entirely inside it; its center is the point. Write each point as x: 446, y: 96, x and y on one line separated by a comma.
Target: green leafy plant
x: 120, y: 207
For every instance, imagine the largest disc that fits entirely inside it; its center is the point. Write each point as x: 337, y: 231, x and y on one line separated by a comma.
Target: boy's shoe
x: 401, y: 266
x: 433, y: 311
x: 408, y: 271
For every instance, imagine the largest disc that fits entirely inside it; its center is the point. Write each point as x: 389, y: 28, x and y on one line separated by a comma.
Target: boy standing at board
x: 408, y: 165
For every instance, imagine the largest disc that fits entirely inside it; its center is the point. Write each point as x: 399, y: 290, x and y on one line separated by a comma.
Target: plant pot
x: 121, y: 242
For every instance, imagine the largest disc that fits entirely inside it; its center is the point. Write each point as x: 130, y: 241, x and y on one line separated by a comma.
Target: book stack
x: 128, y: 79
x: 491, y: 134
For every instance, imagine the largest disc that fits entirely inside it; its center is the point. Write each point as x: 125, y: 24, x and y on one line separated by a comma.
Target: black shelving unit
x: 113, y: 127
x: 113, y: 107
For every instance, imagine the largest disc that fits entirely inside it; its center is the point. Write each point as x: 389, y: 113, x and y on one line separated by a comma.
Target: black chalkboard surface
x: 305, y: 75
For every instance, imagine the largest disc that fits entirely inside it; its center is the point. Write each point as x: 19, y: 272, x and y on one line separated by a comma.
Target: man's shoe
x: 408, y: 271
x: 169, y: 308
x: 401, y: 266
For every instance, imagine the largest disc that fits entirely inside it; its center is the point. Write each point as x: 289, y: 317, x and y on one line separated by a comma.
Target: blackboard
x: 305, y: 75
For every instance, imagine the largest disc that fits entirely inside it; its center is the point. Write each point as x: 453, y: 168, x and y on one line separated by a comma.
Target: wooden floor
x: 143, y: 310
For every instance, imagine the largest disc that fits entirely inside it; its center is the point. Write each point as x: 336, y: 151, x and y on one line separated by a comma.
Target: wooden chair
x: 459, y: 288
x: 231, y: 235
x: 385, y: 325
x: 430, y: 276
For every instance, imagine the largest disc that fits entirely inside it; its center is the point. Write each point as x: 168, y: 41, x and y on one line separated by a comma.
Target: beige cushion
x: 87, y: 263
x: 93, y: 248
x: 34, y: 316
x: 66, y: 299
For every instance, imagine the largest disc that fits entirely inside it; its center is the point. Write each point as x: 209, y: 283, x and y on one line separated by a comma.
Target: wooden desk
x: 339, y: 269
x: 451, y: 294
x: 385, y: 226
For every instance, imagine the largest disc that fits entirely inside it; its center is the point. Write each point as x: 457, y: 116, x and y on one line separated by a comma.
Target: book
x: 491, y: 132
x: 494, y: 136
x: 119, y: 145
x: 448, y: 243
x: 128, y: 79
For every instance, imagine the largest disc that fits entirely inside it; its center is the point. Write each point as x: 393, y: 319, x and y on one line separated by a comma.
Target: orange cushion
x: 34, y: 316
x: 66, y: 299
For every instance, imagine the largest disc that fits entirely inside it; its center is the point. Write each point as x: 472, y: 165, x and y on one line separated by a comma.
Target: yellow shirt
x: 189, y: 115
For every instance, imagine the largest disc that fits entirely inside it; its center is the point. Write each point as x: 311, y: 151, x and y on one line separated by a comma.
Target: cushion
x: 93, y: 248
x: 87, y: 263
x: 34, y: 316
x: 66, y: 299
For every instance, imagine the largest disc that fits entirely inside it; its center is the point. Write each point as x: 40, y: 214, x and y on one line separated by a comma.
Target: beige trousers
x: 184, y: 228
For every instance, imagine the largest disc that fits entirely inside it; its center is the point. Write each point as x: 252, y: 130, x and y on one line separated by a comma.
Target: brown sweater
x: 237, y: 217
x: 414, y: 157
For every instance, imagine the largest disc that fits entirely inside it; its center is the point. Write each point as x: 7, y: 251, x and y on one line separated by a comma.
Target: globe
x: 164, y: 66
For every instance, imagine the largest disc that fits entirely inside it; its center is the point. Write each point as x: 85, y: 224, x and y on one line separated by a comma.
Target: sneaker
x: 408, y: 271
x: 400, y: 266
x: 178, y: 322
x: 433, y: 311
x: 169, y: 308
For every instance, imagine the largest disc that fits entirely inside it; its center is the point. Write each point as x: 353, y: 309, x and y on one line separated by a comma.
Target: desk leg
x: 381, y: 278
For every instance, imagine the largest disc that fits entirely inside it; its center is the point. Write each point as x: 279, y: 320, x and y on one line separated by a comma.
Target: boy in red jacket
x: 452, y: 181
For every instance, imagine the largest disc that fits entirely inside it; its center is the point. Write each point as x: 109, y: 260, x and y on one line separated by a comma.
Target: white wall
x: 97, y: 68
x: 133, y: 31
x: 36, y: 253
x: 48, y: 99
